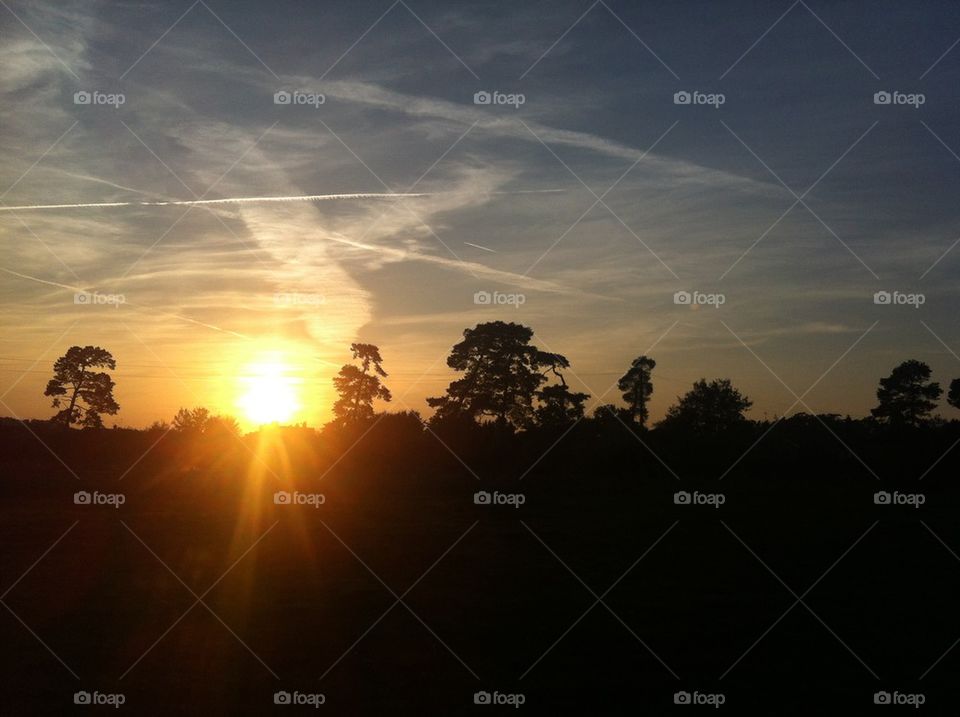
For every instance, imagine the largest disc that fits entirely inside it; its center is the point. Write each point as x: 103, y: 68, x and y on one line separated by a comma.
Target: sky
x: 783, y: 196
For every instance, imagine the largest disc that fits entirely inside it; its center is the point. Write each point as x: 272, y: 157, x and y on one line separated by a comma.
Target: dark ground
x: 508, y: 608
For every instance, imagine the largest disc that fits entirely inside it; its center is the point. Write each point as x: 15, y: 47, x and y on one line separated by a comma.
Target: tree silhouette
x: 907, y: 395
x: 200, y: 421
x: 708, y: 408
x: 191, y: 421
x: 90, y: 392
x: 637, y: 387
x: 502, y: 373
x: 953, y: 397
x: 358, y: 386
x: 558, y: 405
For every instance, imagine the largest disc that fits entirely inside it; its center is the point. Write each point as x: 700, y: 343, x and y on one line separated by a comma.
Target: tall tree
x: 637, y: 387
x: 359, y: 386
x: 708, y: 408
x: 907, y: 395
x: 558, y: 405
x: 81, y: 393
x: 501, y: 375
x: 953, y: 397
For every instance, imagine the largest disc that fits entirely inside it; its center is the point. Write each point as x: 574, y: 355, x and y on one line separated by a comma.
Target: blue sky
x: 514, y: 200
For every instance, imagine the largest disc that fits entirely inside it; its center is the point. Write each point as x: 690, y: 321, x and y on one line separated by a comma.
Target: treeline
x: 504, y: 381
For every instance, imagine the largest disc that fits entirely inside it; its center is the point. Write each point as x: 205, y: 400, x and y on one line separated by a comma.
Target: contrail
x: 226, y: 200
x: 477, y: 246
x: 252, y: 200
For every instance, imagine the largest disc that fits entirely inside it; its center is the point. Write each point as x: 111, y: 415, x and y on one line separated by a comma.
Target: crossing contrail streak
x: 477, y: 246
x: 227, y: 200
x: 250, y: 200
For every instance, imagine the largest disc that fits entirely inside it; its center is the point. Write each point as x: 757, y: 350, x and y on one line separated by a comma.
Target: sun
x: 270, y: 395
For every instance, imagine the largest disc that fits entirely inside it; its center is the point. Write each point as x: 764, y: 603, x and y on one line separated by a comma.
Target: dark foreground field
x: 400, y: 595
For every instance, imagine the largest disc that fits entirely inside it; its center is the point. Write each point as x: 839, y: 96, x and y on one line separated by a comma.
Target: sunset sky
x: 515, y: 200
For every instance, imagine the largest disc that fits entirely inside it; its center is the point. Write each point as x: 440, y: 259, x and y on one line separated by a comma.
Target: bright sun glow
x: 269, y: 395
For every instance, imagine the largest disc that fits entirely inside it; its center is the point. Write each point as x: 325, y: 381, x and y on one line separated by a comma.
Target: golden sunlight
x: 269, y: 394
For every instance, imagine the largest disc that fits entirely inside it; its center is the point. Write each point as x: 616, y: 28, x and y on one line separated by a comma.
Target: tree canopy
x: 502, y: 375
x: 708, y: 408
x: 907, y: 396
x: 81, y: 393
x: 637, y: 387
x: 359, y: 386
